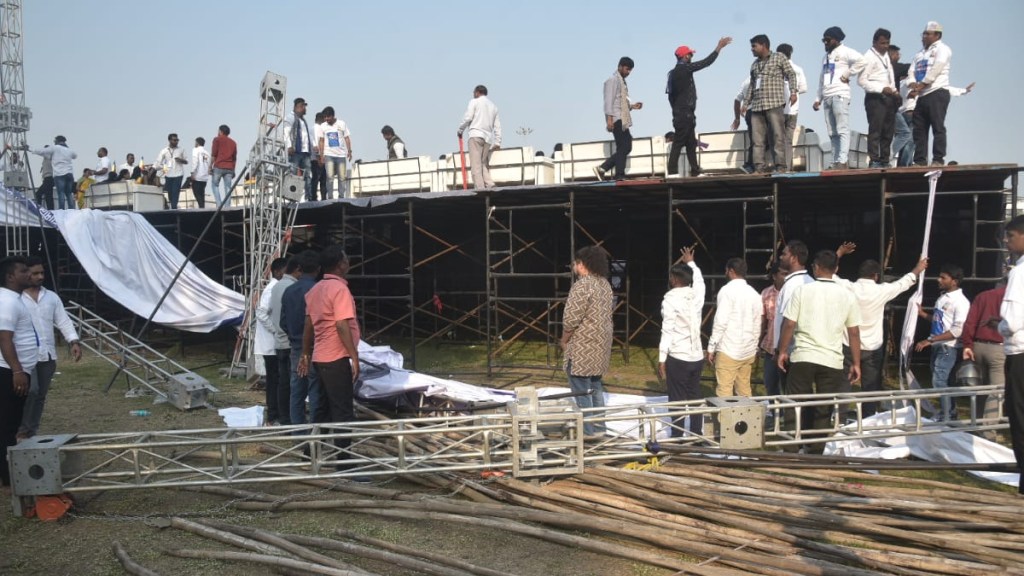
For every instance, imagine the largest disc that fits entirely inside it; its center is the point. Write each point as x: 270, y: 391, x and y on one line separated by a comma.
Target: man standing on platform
x: 930, y: 70
x: 766, y: 101
x: 1011, y: 326
x: 618, y: 119
x: 172, y: 161
x: 224, y: 152
x: 682, y: 97
x: 791, y: 112
x: 732, y: 348
x: 265, y: 344
x: 769, y: 299
x: 331, y: 337
x: 816, y: 318
x: 396, y: 147
x: 484, y: 125
x: 334, y: 146
x: 680, y: 356
x: 834, y: 94
x: 104, y: 165
x: 301, y: 143
x: 200, y: 171
x: 876, y: 75
x: 19, y: 351
x: 62, y: 161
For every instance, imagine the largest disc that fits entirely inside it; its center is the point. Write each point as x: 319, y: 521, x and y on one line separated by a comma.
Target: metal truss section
x: 142, y: 365
x: 270, y: 185
x: 15, y: 118
x: 530, y: 437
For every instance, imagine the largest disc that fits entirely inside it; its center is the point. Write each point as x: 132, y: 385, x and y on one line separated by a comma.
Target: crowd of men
x: 307, y: 334
x: 819, y: 333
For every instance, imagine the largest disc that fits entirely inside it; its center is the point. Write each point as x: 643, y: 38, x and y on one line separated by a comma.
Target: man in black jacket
x: 682, y: 96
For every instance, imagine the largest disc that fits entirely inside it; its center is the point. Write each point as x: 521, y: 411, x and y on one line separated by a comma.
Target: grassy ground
x: 80, y: 543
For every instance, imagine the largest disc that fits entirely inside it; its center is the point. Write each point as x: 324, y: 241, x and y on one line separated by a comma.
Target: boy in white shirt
x: 335, y: 146
x: 200, y: 171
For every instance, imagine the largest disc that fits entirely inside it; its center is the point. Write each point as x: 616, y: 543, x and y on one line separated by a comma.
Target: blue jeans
x: 335, y: 167
x: 173, y: 187
x: 65, y: 185
x: 303, y: 386
x: 903, y: 141
x: 301, y: 163
x: 35, y: 400
x: 225, y: 177
x: 595, y: 399
x: 837, y: 123
x: 943, y: 360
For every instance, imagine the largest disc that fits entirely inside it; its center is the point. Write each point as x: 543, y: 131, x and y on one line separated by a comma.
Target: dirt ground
x: 80, y: 544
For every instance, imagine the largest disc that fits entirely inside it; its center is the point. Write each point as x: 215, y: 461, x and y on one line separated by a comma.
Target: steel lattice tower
x: 14, y: 122
x: 269, y: 187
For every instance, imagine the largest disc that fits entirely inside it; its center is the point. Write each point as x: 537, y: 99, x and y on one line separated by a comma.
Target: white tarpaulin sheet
x: 133, y: 264
x: 953, y: 447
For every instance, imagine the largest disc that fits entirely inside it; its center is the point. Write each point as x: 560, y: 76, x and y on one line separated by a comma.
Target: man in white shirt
x: 816, y: 318
x: 791, y: 111
x: 876, y: 76
x: 484, y: 132
x: 872, y: 297
x: 301, y: 138
x: 794, y: 260
x: 61, y: 160
x: 129, y: 165
x: 265, y: 344
x: 732, y: 348
x: 200, y: 171
x: 172, y: 161
x: 834, y: 94
x: 103, y: 167
x: 680, y: 355
x: 930, y: 72
x: 948, y: 317
x: 1011, y: 326
x: 48, y: 313
x: 19, y: 351
x: 335, y: 147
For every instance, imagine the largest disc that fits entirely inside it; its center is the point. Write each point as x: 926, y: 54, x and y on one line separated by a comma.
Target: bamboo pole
x: 131, y: 566
x: 268, y: 560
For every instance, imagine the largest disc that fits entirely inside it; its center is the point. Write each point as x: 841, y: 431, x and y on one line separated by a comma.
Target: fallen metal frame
x: 531, y: 437
x: 140, y: 363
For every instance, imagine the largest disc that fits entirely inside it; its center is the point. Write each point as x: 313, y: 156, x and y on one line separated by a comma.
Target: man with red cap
x: 682, y: 96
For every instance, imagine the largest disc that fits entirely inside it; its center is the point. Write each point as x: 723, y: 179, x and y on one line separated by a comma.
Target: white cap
x: 933, y: 26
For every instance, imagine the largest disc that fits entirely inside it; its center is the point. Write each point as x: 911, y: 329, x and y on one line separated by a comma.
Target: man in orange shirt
x: 331, y: 336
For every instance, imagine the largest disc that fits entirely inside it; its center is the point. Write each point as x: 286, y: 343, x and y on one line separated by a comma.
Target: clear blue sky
x: 124, y: 73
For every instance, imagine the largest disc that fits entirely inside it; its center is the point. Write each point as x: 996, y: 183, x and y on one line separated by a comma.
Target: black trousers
x: 199, y: 191
x: 683, y: 379
x: 11, y: 408
x: 623, y: 146
x: 278, y: 391
x: 336, y: 380
x: 319, y: 180
x: 810, y: 378
x: 930, y: 114
x: 685, y: 126
x: 44, y: 195
x: 1014, y: 406
x: 881, y: 111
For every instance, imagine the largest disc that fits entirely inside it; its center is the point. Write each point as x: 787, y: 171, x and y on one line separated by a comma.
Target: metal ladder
x: 142, y: 365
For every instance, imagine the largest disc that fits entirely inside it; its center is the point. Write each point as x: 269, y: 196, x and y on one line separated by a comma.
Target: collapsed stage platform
x: 495, y: 265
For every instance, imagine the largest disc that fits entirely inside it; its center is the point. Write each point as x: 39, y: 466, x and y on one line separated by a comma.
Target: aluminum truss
x: 15, y: 117
x: 529, y: 437
x: 271, y: 184
x: 142, y: 365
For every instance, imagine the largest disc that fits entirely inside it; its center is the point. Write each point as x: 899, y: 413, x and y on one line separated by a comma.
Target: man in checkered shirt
x: 766, y: 100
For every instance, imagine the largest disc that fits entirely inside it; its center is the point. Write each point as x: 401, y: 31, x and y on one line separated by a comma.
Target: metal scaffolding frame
x: 15, y: 118
x: 529, y: 436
